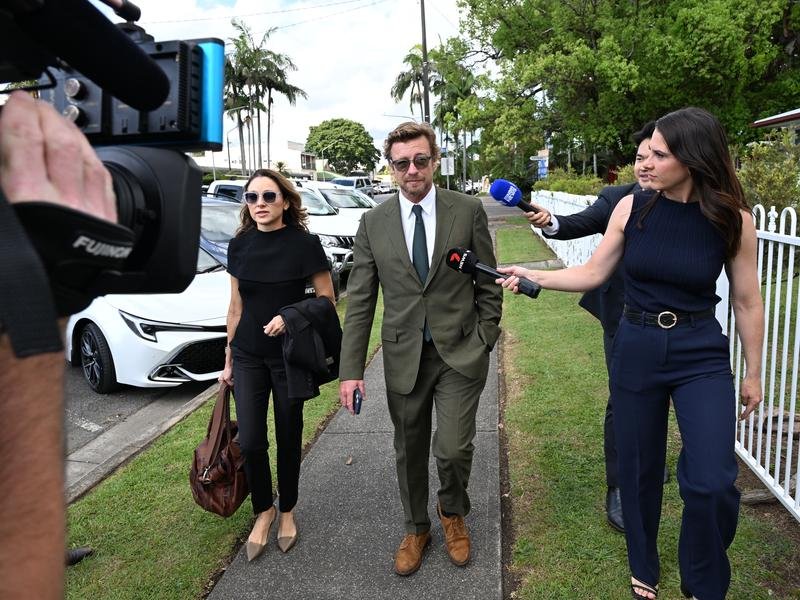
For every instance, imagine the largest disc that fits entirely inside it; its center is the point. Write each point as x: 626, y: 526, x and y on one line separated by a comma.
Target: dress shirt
x: 552, y: 228
x: 428, y: 204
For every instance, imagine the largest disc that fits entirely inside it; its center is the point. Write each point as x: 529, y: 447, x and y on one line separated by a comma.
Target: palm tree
x: 236, y: 101
x: 263, y: 72
x: 412, y: 80
x: 454, y: 83
x: 275, y: 81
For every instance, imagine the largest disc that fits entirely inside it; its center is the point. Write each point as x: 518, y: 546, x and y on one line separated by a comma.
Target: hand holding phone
x: 358, y: 398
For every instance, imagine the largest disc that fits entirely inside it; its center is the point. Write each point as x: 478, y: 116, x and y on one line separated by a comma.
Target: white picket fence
x: 769, y: 440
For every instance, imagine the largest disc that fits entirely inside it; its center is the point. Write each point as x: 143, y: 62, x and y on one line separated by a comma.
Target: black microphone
x: 465, y: 261
x: 507, y: 193
x: 111, y: 60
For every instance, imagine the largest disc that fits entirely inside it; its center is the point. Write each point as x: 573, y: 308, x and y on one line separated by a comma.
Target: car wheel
x: 96, y: 360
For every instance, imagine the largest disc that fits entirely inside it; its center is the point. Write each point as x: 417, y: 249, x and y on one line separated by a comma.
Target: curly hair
x: 294, y: 216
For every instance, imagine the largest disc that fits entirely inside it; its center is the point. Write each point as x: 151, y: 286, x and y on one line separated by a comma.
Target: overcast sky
x: 347, y: 52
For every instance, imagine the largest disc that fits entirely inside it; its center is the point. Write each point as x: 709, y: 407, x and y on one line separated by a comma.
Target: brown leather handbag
x: 217, y: 475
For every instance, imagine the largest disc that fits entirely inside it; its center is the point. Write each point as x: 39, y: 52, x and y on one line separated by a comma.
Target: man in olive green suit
x: 439, y: 327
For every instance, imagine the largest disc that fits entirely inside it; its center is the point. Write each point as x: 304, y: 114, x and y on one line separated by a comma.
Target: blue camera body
x: 190, y: 119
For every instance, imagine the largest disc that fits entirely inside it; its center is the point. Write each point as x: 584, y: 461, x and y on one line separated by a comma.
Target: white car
x: 336, y: 231
x: 347, y: 202
x: 154, y: 340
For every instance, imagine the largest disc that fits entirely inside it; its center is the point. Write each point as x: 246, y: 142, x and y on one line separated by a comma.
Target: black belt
x: 666, y: 319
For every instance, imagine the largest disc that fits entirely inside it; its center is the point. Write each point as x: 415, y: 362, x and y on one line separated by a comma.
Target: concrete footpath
x: 350, y: 520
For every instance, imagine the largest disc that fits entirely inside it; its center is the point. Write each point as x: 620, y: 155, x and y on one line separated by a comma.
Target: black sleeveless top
x: 272, y: 268
x: 674, y: 260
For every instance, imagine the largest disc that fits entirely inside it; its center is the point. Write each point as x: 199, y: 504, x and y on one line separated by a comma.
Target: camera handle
x: 79, y: 251
x: 27, y: 312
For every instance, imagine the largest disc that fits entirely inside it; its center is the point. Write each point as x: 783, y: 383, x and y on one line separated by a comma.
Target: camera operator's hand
x: 45, y: 157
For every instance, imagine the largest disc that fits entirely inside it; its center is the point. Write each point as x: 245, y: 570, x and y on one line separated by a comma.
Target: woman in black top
x: 270, y: 259
x: 673, y: 243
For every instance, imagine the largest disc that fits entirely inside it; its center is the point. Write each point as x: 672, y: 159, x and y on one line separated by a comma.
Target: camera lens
x: 158, y: 198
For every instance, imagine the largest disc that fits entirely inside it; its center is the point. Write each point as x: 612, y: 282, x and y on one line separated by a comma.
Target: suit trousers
x: 455, y: 398
x: 254, y: 377
x: 609, y: 440
x: 690, y: 363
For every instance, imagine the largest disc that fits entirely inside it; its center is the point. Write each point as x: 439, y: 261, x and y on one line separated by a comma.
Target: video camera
x: 142, y: 104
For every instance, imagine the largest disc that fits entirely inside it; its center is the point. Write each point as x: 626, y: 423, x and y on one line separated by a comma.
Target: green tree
x: 411, y: 80
x: 262, y: 73
x: 345, y: 144
x: 236, y: 102
x: 590, y: 72
x: 770, y: 171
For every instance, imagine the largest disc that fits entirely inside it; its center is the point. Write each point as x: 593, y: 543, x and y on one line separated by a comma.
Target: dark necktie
x: 419, y: 255
x: 419, y: 245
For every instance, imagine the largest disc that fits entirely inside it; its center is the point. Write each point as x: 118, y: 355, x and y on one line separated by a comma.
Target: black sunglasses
x: 252, y: 197
x: 420, y: 161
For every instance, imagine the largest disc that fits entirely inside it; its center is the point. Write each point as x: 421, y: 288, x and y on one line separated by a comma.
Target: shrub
x: 625, y: 175
x: 569, y: 182
x: 770, y: 171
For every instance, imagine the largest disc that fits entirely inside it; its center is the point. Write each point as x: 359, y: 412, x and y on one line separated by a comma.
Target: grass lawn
x: 556, y: 391
x: 151, y: 540
x: 518, y: 244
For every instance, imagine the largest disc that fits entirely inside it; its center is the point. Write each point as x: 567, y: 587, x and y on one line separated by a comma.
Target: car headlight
x: 329, y: 240
x: 147, y: 329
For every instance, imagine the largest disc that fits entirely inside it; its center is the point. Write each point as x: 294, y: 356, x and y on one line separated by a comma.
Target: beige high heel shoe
x: 286, y: 542
x: 256, y: 544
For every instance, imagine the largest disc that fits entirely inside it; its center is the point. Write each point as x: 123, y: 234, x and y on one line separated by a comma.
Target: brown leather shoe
x: 456, y: 538
x: 409, y: 555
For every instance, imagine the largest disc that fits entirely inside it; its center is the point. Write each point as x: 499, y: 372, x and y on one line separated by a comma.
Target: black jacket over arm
x: 605, y: 302
x: 311, y: 345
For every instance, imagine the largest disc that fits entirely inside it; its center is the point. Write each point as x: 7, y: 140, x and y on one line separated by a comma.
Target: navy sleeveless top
x: 673, y: 261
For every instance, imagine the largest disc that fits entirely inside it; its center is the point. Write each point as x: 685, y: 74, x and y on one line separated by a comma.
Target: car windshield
x: 315, y: 205
x: 344, y: 199
x: 219, y: 222
x: 347, y: 182
x: 207, y: 263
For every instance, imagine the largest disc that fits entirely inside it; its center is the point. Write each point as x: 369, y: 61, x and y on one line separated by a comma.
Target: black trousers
x: 609, y: 439
x: 254, y: 377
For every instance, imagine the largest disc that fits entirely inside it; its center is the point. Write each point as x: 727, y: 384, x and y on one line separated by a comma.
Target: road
x: 88, y: 414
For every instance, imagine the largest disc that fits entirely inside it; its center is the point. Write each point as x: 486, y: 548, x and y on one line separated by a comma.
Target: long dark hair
x: 696, y: 138
x: 294, y: 216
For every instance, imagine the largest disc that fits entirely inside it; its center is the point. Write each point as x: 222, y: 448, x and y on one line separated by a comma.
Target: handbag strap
x: 220, y: 421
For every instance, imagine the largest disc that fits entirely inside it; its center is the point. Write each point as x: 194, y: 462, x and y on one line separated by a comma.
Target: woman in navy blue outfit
x: 270, y: 259
x: 673, y: 242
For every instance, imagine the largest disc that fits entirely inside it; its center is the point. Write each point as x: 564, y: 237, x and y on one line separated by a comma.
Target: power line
x: 256, y: 14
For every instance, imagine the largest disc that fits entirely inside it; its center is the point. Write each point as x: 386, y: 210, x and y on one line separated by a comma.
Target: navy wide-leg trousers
x: 691, y: 364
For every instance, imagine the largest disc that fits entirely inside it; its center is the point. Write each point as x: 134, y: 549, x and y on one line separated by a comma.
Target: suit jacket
x: 607, y: 301
x: 463, y: 315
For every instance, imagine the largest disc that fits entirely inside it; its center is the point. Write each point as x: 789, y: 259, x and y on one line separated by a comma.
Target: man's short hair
x: 410, y: 131
x: 646, y: 132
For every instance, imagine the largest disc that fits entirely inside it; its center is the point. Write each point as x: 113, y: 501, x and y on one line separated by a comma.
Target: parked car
x: 154, y: 340
x: 336, y: 231
x: 362, y: 184
x: 229, y: 188
x: 220, y: 220
x: 346, y: 201
x: 384, y: 187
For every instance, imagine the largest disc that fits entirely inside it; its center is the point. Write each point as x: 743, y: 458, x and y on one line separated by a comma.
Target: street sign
x: 448, y: 165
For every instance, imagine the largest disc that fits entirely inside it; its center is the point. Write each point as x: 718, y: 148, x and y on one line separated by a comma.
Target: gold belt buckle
x: 668, y: 314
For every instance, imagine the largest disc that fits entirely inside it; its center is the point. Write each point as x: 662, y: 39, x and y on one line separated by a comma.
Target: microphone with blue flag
x: 509, y: 194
